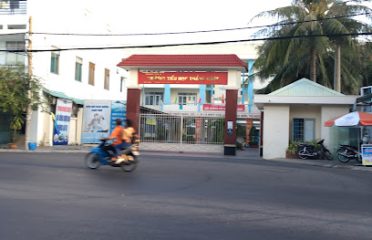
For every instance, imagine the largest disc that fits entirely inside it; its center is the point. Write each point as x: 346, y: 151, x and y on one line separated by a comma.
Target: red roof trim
x: 202, y: 60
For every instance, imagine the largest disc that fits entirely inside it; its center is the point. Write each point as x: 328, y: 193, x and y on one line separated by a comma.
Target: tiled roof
x: 199, y: 60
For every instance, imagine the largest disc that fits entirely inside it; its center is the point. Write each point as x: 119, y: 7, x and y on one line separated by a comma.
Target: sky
x: 153, y: 16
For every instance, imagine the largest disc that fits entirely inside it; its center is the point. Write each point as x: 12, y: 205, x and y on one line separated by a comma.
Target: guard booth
x: 165, y: 71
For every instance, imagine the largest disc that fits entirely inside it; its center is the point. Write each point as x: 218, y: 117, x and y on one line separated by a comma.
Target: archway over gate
x: 203, y: 70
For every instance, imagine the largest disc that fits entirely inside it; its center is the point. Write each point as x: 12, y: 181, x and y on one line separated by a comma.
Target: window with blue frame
x: 303, y: 130
x: 153, y: 98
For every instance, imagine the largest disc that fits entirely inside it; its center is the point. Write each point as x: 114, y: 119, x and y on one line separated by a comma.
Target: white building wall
x: 79, y: 19
x: 275, y: 131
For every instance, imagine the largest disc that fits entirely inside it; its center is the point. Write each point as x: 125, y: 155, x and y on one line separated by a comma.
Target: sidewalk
x: 247, y: 154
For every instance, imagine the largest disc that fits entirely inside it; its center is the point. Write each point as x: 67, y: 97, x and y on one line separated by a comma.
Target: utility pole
x: 29, y: 71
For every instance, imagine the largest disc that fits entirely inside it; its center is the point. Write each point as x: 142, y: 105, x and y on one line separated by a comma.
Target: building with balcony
x: 186, y: 98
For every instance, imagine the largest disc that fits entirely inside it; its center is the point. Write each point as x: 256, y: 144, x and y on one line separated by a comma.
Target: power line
x: 192, y: 44
x: 192, y: 32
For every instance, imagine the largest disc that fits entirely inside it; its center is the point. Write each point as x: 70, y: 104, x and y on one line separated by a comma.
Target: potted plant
x: 291, y: 151
x: 18, y: 92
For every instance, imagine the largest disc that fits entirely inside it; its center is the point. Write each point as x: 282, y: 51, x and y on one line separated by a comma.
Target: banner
x: 96, y: 121
x: 62, y: 121
x: 118, y: 110
x: 216, y: 107
x: 208, y: 78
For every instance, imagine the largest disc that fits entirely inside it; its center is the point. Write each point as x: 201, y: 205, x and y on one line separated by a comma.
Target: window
x: 13, y: 58
x: 121, y: 83
x: 54, y: 62
x: 303, y: 130
x: 14, y: 4
x: 17, y: 26
x: 153, y: 98
x: 186, y: 98
x: 107, y: 79
x: 92, y: 67
x: 78, y: 68
x: 209, y: 93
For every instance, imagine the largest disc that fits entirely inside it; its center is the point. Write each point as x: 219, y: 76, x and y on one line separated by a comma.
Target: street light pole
x: 29, y: 71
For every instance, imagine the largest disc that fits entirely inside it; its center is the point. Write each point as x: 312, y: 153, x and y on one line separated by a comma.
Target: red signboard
x: 217, y: 107
x: 219, y: 78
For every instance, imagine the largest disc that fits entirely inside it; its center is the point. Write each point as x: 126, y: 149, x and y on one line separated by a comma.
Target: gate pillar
x: 230, y: 122
x: 133, y: 106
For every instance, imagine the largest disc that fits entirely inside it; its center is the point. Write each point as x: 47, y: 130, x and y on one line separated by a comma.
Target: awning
x: 351, y: 120
x: 58, y: 94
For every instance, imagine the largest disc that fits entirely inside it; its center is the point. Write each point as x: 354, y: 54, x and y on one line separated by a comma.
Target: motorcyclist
x: 117, y: 137
x: 128, y: 137
x: 129, y: 132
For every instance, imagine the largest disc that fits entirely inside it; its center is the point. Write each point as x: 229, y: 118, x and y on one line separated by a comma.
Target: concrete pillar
x: 167, y: 94
x: 133, y: 106
x: 202, y: 89
x: 248, y: 127
x: 230, y: 122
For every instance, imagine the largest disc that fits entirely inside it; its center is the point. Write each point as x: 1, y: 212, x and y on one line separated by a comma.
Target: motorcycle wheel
x: 328, y: 155
x: 359, y: 159
x: 341, y: 157
x: 129, y: 166
x: 303, y: 154
x: 92, y: 161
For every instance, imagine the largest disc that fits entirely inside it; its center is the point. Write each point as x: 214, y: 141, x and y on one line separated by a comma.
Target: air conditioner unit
x: 363, y: 92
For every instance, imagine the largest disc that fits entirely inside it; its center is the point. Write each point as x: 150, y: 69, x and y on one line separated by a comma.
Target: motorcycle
x: 309, y: 151
x: 102, y: 154
x: 345, y: 153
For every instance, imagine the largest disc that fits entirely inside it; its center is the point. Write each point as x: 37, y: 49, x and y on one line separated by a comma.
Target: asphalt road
x: 53, y: 196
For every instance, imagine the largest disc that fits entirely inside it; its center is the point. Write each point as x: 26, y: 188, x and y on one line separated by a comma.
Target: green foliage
x: 292, y: 147
x: 18, y: 91
x: 366, y: 63
x: 290, y: 59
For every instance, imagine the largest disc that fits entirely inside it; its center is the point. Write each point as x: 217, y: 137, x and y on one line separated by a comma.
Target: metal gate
x: 162, y: 132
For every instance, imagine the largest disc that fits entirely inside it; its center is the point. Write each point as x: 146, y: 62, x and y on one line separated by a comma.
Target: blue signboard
x: 118, y: 110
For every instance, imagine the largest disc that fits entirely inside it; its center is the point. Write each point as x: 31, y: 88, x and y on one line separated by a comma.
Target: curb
x: 318, y: 163
x: 327, y: 164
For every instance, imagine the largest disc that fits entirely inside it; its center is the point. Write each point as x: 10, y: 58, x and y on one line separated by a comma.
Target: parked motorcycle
x: 101, y: 155
x: 345, y: 153
x: 309, y: 151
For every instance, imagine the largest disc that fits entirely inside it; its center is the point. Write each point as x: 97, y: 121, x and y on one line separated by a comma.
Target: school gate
x: 165, y: 132
x: 202, y: 70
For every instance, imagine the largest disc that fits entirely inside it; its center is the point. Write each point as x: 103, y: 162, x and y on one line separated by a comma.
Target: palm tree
x: 312, y: 33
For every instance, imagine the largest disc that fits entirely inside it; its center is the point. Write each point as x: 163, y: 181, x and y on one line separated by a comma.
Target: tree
x: 18, y: 91
x: 366, y: 60
x: 303, y: 53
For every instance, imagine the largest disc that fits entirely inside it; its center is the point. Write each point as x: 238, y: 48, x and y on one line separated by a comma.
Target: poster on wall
x: 96, y: 121
x: 62, y: 121
x: 118, y: 110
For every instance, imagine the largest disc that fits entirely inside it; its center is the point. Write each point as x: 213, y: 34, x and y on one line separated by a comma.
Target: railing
x: 13, y: 7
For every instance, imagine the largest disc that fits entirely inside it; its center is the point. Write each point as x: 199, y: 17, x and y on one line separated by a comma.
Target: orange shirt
x: 117, y: 135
